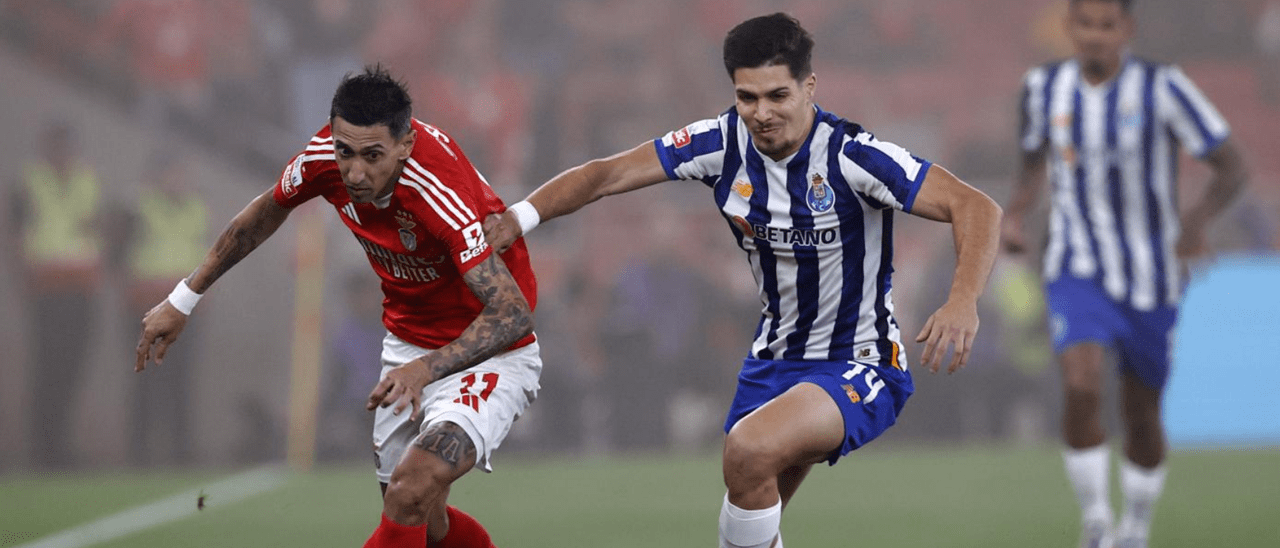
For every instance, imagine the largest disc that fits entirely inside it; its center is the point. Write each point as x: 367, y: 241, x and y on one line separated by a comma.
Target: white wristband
x: 526, y: 215
x: 183, y: 298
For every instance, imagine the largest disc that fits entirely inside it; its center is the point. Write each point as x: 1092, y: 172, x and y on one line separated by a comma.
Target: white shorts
x: 484, y: 400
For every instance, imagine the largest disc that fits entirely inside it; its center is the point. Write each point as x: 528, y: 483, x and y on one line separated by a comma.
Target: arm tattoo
x: 448, y: 441
x: 244, y: 234
x: 506, y: 318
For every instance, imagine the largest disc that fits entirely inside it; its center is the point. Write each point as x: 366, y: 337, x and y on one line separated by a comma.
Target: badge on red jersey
x: 681, y: 137
x: 407, y: 238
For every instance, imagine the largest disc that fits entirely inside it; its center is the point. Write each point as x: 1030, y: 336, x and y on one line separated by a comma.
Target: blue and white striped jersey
x: 1112, y: 167
x: 817, y: 228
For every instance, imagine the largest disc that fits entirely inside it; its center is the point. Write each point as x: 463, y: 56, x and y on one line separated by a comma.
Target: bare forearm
x: 976, y: 229
x: 1028, y: 184
x: 579, y: 186
x: 1229, y: 177
x: 252, y: 226
x: 506, y: 318
x: 567, y: 192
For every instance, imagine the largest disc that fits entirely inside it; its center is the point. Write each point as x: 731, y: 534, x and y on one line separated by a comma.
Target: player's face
x: 369, y: 158
x: 1099, y: 31
x: 777, y: 108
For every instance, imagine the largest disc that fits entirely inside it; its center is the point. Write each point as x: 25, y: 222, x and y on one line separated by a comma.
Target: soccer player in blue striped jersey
x: 810, y: 198
x: 1106, y: 128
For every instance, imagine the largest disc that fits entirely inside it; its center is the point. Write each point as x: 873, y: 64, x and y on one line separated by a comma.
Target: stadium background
x: 645, y: 306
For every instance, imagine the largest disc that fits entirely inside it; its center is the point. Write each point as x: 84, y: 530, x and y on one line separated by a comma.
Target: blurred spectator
x: 58, y: 213
x: 471, y: 94
x: 163, y: 44
x: 326, y: 36
x: 168, y: 232
x: 1267, y: 37
x: 654, y: 333
x: 241, y: 63
x: 352, y: 368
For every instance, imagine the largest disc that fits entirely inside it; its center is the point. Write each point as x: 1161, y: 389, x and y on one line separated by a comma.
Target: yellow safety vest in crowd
x: 171, y: 236
x: 60, y: 228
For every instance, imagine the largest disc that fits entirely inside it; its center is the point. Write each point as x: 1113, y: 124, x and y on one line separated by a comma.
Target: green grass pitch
x: 895, y: 496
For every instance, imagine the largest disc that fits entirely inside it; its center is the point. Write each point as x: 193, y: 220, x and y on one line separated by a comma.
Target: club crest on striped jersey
x: 681, y: 137
x: 743, y: 188
x: 407, y: 238
x: 1130, y: 116
x: 819, y: 196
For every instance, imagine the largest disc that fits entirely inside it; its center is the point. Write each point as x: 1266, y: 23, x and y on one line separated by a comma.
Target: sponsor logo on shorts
x: 853, y: 395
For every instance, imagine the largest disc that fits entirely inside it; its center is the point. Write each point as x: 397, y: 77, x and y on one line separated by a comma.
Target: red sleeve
x: 292, y: 189
x: 448, y: 189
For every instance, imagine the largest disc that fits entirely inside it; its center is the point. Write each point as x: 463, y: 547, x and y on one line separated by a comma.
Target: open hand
x: 954, y: 325
x: 160, y: 327
x: 403, y: 387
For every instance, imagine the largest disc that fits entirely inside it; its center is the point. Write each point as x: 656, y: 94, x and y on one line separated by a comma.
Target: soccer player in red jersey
x: 460, y: 361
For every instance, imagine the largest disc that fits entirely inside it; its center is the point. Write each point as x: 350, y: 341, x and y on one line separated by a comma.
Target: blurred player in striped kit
x: 1107, y: 128
x: 810, y: 198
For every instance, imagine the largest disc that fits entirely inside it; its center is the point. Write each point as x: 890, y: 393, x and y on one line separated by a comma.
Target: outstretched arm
x: 579, y: 186
x: 1229, y: 177
x: 246, y: 231
x: 1027, y: 187
x: 506, y: 318
x: 975, y: 225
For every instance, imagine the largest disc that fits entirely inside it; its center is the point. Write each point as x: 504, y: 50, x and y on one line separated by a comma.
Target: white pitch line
x: 180, y: 506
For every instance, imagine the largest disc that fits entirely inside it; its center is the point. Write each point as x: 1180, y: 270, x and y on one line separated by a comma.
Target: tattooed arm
x: 506, y: 318
x: 252, y: 226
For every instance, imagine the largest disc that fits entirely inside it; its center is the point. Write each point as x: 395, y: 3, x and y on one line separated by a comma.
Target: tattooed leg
x: 420, y: 483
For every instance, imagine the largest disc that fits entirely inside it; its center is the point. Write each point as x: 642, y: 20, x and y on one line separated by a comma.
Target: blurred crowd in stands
x: 645, y: 308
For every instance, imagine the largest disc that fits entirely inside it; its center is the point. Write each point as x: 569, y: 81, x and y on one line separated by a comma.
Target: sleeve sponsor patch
x: 681, y: 137
x: 476, y: 244
x: 292, y: 178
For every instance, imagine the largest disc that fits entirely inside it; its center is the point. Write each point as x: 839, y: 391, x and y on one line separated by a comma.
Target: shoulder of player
x: 446, y: 194
x: 1038, y: 74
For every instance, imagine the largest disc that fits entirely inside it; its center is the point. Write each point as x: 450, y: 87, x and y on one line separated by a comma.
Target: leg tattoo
x: 449, y: 441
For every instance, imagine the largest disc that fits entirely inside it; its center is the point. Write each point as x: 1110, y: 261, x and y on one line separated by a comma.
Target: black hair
x: 769, y: 40
x: 1125, y: 5
x: 371, y: 98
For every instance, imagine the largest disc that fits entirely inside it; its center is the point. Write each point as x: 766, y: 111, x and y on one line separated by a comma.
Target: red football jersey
x: 423, y: 240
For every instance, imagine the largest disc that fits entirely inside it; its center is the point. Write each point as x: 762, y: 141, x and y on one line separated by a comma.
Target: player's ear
x: 406, y: 144
x: 811, y: 84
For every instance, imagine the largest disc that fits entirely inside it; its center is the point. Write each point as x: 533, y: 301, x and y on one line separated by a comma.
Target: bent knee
x: 407, y: 502
x: 750, y: 458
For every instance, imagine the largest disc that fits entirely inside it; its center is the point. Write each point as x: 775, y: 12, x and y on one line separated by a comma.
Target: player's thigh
x: 483, y: 402
x: 1145, y: 350
x: 439, y: 456
x: 802, y: 425
x: 1082, y: 366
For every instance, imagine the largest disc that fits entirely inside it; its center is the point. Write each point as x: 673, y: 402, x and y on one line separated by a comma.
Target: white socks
x: 1141, y: 488
x: 1088, y: 471
x: 749, y: 528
